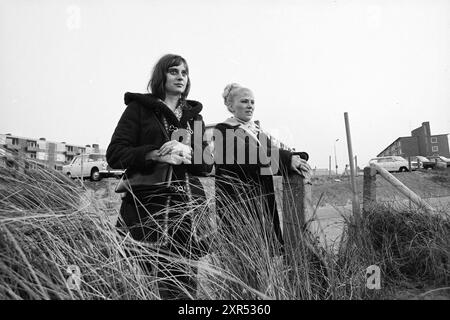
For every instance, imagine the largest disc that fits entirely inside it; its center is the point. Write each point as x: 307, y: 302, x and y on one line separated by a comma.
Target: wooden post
x: 409, y: 164
x: 402, y: 188
x: 356, y: 166
x: 297, y: 210
x: 355, y: 202
x: 297, y: 207
x: 369, y: 189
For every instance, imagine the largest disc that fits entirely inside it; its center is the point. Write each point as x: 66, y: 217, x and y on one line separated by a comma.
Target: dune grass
x: 48, y: 223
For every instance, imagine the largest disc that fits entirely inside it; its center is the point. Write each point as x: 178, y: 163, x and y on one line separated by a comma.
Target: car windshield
x: 444, y: 158
x: 422, y: 158
x: 98, y: 157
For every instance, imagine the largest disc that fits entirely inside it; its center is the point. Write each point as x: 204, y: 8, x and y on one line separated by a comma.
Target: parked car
x: 424, y: 162
x: 391, y: 163
x: 110, y: 172
x: 440, y: 159
x: 86, y: 165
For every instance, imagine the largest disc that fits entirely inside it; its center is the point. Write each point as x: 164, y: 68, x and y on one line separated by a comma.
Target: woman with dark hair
x: 147, y: 141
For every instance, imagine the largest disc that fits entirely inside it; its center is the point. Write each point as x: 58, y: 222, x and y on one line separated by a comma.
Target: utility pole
x: 329, y: 165
x: 335, y: 158
x: 82, y: 156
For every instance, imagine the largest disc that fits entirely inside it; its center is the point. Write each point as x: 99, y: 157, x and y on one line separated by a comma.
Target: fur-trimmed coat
x: 138, y: 132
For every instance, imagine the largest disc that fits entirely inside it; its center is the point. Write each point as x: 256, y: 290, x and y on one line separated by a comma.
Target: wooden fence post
x: 369, y: 189
x: 297, y: 208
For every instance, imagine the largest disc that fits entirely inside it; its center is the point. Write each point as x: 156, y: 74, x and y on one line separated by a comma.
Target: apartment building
x: 46, y: 153
x: 420, y: 143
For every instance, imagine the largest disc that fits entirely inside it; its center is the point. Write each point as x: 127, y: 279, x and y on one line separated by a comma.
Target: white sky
x: 65, y: 66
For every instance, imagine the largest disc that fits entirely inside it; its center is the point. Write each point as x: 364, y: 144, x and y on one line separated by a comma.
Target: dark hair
x: 157, y: 82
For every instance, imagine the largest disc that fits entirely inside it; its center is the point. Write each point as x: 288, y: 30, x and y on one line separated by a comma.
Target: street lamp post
x: 335, y: 158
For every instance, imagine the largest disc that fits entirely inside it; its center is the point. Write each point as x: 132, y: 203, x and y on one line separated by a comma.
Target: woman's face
x: 243, y: 104
x: 176, y: 80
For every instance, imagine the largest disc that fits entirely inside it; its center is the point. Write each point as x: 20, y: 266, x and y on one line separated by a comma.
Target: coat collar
x: 148, y: 100
x: 250, y: 127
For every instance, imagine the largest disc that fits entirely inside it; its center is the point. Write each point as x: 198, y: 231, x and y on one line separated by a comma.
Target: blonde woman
x: 251, y: 164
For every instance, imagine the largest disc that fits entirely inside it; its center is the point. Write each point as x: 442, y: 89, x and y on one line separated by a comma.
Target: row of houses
x: 47, y: 153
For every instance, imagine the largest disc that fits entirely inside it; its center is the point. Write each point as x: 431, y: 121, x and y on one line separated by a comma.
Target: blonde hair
x: 228, y: 93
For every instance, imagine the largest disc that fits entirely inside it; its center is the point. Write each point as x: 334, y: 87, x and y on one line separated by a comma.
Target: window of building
x: 70, y: 148
x: 434, y: 149
x: 434, y: 140
x: 14, y: 141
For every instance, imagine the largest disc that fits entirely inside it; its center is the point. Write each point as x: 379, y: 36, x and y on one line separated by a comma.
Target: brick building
x: 47, y: 153
x: 420, y: 143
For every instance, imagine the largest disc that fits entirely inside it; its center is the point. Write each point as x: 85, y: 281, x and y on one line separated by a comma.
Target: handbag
x: 159, y: 177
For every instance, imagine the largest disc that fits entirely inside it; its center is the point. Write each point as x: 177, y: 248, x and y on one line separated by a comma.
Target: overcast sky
x: 65, y: 66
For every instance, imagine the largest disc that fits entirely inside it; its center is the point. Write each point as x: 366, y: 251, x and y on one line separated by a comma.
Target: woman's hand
x: 175, y: 147
x: 174, y: 159
x: 171, y: 158
x: 301, y: 167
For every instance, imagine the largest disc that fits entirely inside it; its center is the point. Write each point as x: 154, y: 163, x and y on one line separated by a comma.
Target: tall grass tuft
x: 48, y: 225
x: 410, y: 244
x: 245, y: 247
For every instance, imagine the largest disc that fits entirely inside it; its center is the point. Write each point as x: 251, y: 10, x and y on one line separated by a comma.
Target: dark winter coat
x: 243, y: 181
x: 152, y: 218
x: 138, y: 132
